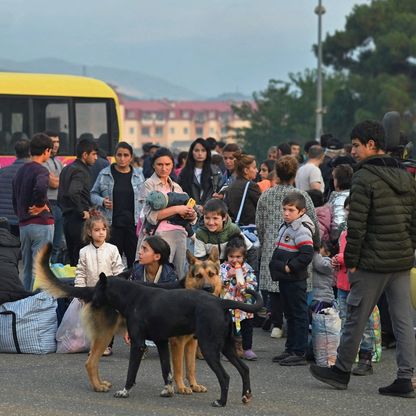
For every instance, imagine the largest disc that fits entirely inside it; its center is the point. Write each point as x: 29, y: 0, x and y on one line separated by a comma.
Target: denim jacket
x: 103, y: 188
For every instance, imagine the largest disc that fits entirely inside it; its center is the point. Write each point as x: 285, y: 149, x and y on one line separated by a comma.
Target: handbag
x: 249, y: 231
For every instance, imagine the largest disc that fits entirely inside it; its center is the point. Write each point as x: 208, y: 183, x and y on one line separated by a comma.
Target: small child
x: 293, y: 254
x: 217, y: 230
x: 323, y: 278
x: 97, y: 257
x: 236, y: 252
x: 365, y: 352
x: 158, y: 200
x: 323, y: 213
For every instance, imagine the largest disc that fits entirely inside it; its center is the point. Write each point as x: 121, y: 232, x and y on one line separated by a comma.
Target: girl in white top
x: 98, y: 256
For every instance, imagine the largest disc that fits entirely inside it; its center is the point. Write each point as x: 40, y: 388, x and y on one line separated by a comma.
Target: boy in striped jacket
x: 291, y: 257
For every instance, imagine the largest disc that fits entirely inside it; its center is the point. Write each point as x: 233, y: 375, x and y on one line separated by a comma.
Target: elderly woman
x: 269, y: 218
x: 116, y: 193
x: 158, y: 220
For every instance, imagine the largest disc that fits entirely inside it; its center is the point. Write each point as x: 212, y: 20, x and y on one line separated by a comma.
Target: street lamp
x: 319, y: 10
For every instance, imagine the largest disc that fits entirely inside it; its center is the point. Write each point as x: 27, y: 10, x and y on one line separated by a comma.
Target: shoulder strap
x: 306, y: 225
x: 243, y: 199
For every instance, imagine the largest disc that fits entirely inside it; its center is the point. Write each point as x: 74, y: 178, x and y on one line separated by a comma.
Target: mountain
x: 131, y: 83
x: 231, y: 96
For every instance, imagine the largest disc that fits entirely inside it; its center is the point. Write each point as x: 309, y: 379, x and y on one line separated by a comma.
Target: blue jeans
x: 58, y: 234
x: 33, y: 237
x: 368, y: 338
x: 295, y: 309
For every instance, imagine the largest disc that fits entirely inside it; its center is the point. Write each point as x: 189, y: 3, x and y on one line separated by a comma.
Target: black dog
x: 155, y: 314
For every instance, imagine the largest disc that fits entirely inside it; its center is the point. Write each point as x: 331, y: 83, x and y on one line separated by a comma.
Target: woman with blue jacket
x: 153, y: 264
x: 116, y: 192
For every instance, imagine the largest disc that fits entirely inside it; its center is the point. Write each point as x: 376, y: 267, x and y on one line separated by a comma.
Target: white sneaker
x: 276, y: 333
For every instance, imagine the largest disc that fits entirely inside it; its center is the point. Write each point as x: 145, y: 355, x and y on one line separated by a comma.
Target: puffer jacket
x: 382, y: 221
x: 294, y: 248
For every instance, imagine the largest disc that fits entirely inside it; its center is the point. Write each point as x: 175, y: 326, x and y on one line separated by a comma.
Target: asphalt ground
x: 56, y: 385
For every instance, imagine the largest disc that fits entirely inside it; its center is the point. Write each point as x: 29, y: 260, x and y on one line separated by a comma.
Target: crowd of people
x: 313, y: 236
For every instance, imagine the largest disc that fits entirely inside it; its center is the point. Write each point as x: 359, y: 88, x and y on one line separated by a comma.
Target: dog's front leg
x: 190, y: 357
x: 177, y: 345
x: 163, y: 349
x: 137, y: 349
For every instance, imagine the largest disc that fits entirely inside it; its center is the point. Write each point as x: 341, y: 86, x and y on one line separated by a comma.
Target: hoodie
x: 206, y: 239
x: 382, y: 221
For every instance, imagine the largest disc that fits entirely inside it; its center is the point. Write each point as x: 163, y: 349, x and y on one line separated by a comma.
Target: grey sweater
x: 322, y: 278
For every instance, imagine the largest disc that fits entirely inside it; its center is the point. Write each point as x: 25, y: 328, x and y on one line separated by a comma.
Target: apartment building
x: 175, y: 124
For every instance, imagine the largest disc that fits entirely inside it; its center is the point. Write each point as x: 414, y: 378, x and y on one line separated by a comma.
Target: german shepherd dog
x: 202, y: 274
x: 156, y: 314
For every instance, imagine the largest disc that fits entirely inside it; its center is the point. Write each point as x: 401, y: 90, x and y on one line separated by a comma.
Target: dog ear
x: 214, y: 254
x: 103, y: 278
x: 190, y: 257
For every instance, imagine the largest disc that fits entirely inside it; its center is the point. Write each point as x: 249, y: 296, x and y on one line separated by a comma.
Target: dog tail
x: 246, y: 307
x: 52, y: 284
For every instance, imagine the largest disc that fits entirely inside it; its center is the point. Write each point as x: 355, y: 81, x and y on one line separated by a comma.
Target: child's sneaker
x: 107, y: 352
x: 276, y: 332
x: 249, y: 355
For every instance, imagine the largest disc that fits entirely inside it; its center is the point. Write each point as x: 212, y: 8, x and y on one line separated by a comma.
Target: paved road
x: 56, y: 385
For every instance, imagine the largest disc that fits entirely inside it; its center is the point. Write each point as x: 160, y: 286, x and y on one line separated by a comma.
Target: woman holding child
x: 269, y: 218
x: 175, y: 235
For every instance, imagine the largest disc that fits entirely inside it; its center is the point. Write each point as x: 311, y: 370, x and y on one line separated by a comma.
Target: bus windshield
x: 73, y: 107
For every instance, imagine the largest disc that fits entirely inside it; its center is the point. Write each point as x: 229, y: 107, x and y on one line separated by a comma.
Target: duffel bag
x: 28, y: 326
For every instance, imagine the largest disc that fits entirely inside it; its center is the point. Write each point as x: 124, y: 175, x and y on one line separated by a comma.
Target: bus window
x: 14, y: 115
x: 53, y: 114
x: 91, y: 121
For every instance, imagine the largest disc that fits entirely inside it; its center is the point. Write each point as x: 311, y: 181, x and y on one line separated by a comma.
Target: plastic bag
x: 377, y: 336
x: 326, y: 333
x: 71, y: 336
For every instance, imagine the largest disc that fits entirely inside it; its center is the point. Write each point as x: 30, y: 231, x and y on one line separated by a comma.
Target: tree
x: 285, y: 111
x: 370, y: 70
x: 377, y: 50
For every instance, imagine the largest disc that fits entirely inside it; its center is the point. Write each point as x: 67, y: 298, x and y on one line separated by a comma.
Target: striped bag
x: 28, y: 326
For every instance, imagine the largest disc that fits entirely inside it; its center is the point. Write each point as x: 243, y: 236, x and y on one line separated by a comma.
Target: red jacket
x: 342, y: 273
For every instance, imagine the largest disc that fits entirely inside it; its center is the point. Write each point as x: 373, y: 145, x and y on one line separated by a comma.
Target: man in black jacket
x: 380, y: 251
x: 74, y: 196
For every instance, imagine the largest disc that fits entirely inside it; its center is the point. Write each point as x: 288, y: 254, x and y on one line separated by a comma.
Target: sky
x: 208, y: 46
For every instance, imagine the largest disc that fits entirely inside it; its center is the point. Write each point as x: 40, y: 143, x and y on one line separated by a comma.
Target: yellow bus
x: 75, y: 107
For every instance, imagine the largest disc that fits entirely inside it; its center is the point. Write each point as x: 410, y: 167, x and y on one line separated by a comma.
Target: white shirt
x: 198, y: 174
x: 308, y: 174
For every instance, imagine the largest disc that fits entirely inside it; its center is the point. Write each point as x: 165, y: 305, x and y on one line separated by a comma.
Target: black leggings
x: 276, y: 309
x: 246, y: 332
x: 126, y: 241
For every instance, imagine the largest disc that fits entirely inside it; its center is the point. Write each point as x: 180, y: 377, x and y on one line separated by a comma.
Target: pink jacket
x: 324, y: 214
x: 342, y: 273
